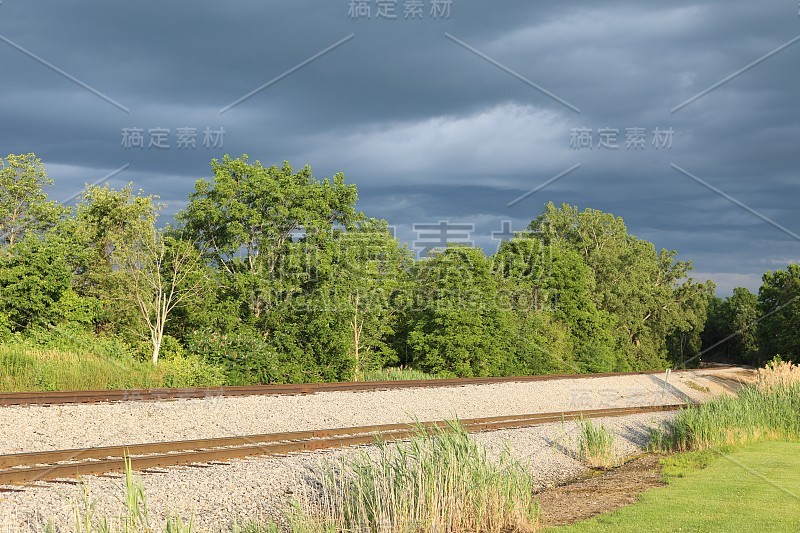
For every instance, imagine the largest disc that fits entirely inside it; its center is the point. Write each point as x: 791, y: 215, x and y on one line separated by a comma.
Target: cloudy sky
x: 450, y: 111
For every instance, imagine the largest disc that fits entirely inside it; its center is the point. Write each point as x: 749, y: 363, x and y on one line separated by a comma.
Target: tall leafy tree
x: 553, y: 280
x: 742, y: 314
x: 370, y: 269
x: 247, y: 218
x: 779, y: 301
x: 636, y: 284
x: 731, y: 332
x: 459, y: 325
x: 684, y: 342
x: 108, y: 218
x: 339, y: 318
x: 107, y: 221
x: 35, y: 276
x: 24, y: 206
x: 717, y: 328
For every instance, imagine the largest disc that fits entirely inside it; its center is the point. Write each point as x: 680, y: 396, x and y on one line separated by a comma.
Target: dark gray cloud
x: 428, y: 130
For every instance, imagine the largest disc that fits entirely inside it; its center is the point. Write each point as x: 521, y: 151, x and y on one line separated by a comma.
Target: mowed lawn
x: 753, y: 489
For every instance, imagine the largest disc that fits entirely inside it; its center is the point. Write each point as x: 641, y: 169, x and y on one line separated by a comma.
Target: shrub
x: 170, y: 347
x: 245, y: 356
x: 5, y: 326
x: 73, y: 338
x: 191, y: 371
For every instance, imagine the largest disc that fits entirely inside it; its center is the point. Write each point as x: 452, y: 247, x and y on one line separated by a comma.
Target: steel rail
x: 23, y: 468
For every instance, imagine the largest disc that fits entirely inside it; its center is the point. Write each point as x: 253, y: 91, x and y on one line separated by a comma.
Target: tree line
x: 274, y: 276
x: 754, y: 328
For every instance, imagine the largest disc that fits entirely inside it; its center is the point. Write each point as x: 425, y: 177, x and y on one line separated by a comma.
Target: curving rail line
x: 25, y: 468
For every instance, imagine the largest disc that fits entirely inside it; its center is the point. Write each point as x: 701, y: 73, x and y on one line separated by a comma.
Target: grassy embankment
x: 752, y: 489
x: 769, y: 409
x: 739, y: 469
x: 89, y: 363
x: 78, y: 361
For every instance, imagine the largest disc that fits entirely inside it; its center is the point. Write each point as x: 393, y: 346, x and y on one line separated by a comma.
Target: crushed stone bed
x: 42, y: 428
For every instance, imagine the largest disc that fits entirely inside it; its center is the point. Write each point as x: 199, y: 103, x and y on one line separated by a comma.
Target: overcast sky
x: 436, y: 115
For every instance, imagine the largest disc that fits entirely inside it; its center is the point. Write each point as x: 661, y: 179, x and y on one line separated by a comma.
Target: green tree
x: 106, y: 222
x: 24, y: 206
x: 779, y: 301
x: 339, y: 318
x: 246, y: 220
x: 717, y: 329
x: 554, y: 280
x: 646, y: 291
x: 369, y: 269
x: 459, y: 324
x: 743, y: 316
x: 108, y: 218
x: 685, y: 341
x: 34, y: 278
x: 542, y: 343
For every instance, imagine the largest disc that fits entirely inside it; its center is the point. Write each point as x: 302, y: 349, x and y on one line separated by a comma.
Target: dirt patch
x: 600, y: 493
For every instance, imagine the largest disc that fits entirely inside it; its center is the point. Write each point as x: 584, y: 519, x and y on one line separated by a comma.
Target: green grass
x: 26, y: 368
x: 744, y: 491
x: 136, y: 518
x: 682, y: 464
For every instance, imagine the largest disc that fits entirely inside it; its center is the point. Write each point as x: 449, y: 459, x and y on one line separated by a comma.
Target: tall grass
x: 595, y: 444
x: 777, y: 374
x: 26, y: 368
x: 766, y: 410
x: 442, y: 480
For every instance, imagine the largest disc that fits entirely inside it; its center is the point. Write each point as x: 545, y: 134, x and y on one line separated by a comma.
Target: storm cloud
x: 436, y: 118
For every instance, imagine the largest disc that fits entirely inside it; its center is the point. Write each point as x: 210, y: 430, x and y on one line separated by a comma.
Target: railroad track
x: 25, y: 468
x: 65, y: 397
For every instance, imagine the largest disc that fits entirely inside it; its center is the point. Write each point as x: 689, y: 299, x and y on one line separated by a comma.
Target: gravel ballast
x: 218, y: 497
x: 41, y: 428
x: 261, y: 489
